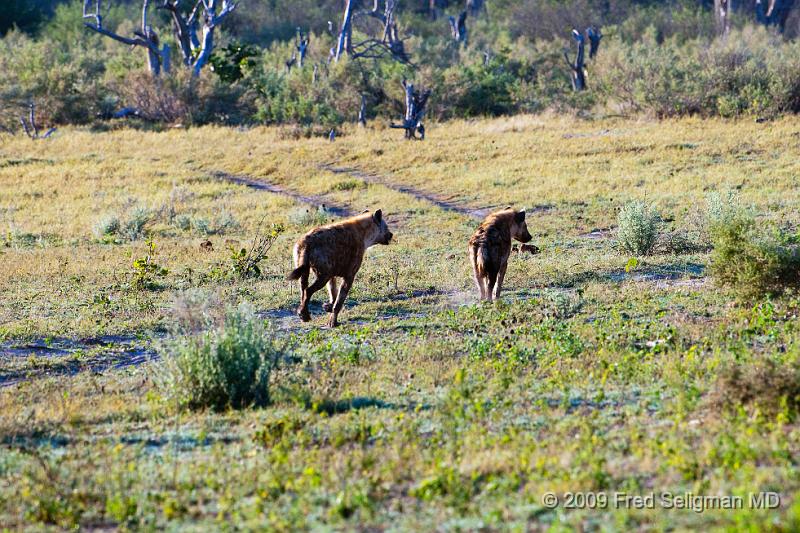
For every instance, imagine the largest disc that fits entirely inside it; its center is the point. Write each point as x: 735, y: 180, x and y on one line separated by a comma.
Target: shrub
x: 227, y: 367
x: 106, y: 226
x: 637, y: 228
x: 182, y: 222
x: 305, y: 217
x: 764, y: 383
x: 136, y: 219
x: 752, y: 259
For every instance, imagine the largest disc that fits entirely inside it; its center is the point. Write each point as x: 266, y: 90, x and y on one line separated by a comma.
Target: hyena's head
x: 382, y: 234
x: 519, y: 229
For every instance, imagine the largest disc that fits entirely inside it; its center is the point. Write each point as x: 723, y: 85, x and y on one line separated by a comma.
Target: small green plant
x: 637, y: 228
x: 347, y: 185
x: 227, y: 367
x: 245, y: 262
x: 146, y: 271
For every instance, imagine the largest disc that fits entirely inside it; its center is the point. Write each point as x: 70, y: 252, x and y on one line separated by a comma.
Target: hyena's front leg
x: 328, y: 306
x: 343, y: 290
x: 308, y: 292
x: 500, y: 277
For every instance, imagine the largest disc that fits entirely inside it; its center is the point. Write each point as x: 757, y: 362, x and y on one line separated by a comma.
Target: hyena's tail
x: 298, y: 272
x: 302, y: 263
x: 482, y: 259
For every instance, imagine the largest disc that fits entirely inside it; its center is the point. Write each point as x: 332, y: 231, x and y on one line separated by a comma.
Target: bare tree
x: 577, y: 69
x: 475, y: 7
x: 194, y: 32
x: 30, y: 128
x: 594, y: 35
x: 415, y: 102
x: 345, y: 40
x: 301, y: 44
x: 362, y: 112
x: 458, y: 27
x: 388, y: 43
x: 722, y: 16
x: 774, y: 12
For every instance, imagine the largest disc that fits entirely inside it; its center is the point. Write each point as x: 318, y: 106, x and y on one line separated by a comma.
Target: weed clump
x: 226, y: 367
x: 637, y: 228
x: 755, y: 260
x: 771, y: 387
x: 305, y: 217
x: 129, y: 226
x: 133, y: 226
x: 106, y: 226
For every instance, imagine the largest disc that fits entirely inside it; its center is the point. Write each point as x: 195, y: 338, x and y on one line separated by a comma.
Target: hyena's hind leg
x: 340, y: 298
x: 490, y: 285
x: 332, y: 292
x: 500, y: 277
x: 476, y: 274
x: 308, y: 292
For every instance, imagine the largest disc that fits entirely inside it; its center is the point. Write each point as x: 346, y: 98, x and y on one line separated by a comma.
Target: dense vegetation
x: 657, y: 58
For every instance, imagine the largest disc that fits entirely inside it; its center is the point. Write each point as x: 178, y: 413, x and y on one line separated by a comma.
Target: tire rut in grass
x: 64, y: 357
x: 440, y: 202
x: 262, y: 185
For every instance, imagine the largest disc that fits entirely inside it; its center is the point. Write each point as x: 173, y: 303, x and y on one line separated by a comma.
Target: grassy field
x: 425, y: 410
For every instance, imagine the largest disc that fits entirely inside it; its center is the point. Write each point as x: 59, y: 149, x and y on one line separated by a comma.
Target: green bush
x: 751, y: 72
x: 227, y: 367
x: 637, y: 228
x: 753, y: 259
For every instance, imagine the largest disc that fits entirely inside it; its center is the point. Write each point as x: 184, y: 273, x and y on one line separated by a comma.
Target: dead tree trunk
x: 30, y: 128
x: 301, y: 44
x: 577, y: 69
x: 774, y: 12
x: 722, y: 16
x: 415, y: 102
x: 344, y: 42
x: 362, y: 112
x: 388, y: 43
x: 594, y: 40
x: 458, y: 27
x: 196, y: 51
x: 145, y: 37
x: 475, y: 7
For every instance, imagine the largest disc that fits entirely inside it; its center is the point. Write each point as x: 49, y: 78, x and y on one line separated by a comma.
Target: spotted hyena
x: 490, y: 247
x: 335, y: 251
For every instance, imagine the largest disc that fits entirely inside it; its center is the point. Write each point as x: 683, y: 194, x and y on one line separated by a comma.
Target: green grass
x: 425, y: 409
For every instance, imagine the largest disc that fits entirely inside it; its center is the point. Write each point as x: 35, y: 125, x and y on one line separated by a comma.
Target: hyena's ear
x: 508, y: 207
x: 377, y: 217
x: 519, y: 218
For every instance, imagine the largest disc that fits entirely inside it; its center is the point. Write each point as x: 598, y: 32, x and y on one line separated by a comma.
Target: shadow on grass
x: 334, y: 407
x: 648, y: 273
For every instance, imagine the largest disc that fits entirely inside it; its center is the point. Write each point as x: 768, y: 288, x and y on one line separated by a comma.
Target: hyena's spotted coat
x: 335, y: 251
x: 490, y: 247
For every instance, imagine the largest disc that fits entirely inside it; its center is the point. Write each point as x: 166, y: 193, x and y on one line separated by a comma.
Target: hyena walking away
x: 490, y: 247
x: 335, y: 251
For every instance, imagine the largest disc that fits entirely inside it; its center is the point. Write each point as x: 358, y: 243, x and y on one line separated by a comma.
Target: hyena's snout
x: 387, y: 237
